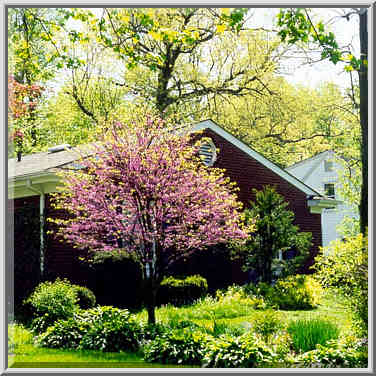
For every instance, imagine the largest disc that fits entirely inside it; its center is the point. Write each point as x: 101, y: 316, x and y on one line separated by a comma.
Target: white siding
x: 312, y: 172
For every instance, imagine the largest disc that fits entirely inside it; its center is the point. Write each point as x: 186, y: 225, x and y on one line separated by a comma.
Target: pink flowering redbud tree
x: 146, y: 191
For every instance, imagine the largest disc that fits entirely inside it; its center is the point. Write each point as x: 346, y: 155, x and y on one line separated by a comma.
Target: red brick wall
x: 24, y: 218
x: 249, y: 174
x: 61, y: 258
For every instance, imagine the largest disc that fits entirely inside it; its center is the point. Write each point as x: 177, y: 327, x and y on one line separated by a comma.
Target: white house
x: 321, y: 172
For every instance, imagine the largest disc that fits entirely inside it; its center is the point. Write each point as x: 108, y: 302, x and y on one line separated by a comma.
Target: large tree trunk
x: 363, y: 101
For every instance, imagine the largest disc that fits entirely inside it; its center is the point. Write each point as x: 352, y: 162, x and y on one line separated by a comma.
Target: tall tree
x: 297, y: 26
x: 147, y: 192
x: 294, y: 123
x: 274, y: 233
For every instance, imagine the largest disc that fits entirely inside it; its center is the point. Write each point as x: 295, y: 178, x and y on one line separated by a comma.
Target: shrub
x: 306, y: 334
x: 86, y: 298
x: 336, y: 355
x: 295, y: 292
x: 267, y: 323
x: 102, y: 328
x: 344, y: 265
x: 180, y: 291
x: 246, y: 351
x: 52, y: 301
x: 182, y: 346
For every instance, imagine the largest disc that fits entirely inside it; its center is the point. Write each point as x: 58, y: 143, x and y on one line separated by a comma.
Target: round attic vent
x: 208, y: 153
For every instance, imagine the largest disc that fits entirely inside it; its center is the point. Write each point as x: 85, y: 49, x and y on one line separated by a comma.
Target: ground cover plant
x: 202, y: 334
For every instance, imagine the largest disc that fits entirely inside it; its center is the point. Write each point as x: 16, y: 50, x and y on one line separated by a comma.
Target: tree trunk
x: 151, y: 303
x: 363, y: 100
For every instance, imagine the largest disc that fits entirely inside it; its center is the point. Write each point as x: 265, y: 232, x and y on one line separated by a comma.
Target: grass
x: 306, y: 334
x: 35, y: 357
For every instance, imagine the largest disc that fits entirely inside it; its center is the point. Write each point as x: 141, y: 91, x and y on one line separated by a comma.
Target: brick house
x: 33, y: 179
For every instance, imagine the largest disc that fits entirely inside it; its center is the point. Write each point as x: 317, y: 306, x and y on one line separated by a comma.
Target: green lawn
x: 230, y: 312
x: 34, y: 357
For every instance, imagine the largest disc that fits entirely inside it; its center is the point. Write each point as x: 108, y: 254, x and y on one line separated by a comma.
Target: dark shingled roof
x: 44, y: 162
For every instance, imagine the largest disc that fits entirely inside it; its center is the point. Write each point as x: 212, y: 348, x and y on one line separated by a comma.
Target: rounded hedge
x: 183, y: 290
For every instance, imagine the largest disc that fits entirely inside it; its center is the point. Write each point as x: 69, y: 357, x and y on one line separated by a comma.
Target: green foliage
x: 246, y: 351
x: 86, y: 298
x: 306, y: 334
x: 32, y: 38
x: 53, y: 301
x: 102, y: 328
x: 266, y: 323
x: 179, y: 346
x: 274, y: 232
x: 344, y: 265
x: 179, y: 291
x: 297, y: 26
x: 223, y: 327
x: 336, y: 354
x: 295, y: 292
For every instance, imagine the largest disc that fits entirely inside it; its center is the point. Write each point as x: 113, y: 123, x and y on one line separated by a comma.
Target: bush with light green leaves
x: 344, y: 265
x: 295, y: 293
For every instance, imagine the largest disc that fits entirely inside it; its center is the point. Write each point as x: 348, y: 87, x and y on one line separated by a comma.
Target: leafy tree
x: 296, y: 25
x: 147, y: 192
x: 274, y: 233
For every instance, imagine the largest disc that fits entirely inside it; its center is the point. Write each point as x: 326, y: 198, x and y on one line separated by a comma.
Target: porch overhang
x: 318, y: 204
x: 25, y: 185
